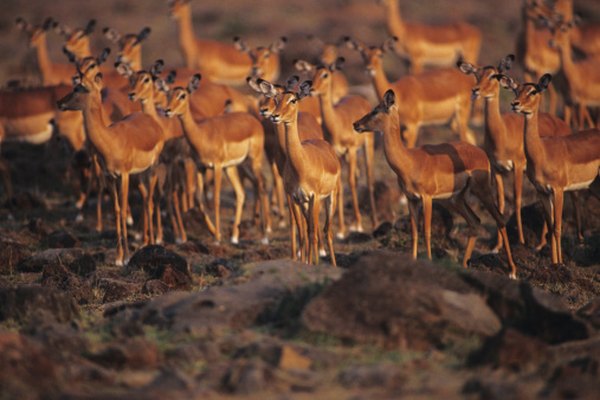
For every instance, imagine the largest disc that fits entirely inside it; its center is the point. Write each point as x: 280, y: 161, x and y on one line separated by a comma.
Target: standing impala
x: 503, y: 138
x: 556, y: 164
x: 440, y: 45
x: 432, y: 97
x: 219, y: 62
x: 447, y: 171
x: 265, y: 60
x: 312, y: 173
x: 129, y: 146
x: 338, y: 118
x: 222, y: 143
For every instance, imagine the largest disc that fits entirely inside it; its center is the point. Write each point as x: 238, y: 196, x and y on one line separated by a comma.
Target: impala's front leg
x: 413, y: 210
x: 427, y: 211
x: 558, y: 210
x: 351, y: 155
x: 518, y: 189
x: 369, y: 153
x: 501, y: 204
x: 145, y: 230
x: 115, y: 196
x: 217, y: 201
x: 124, y: 209
x: 549, y: 216
x: 234, y: 178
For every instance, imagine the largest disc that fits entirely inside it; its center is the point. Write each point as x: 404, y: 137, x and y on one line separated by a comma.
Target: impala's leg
x: 124, y: 209
x: 462, y: 115
x: 577, y: 212
x: 293, y: 225
x: 172, y: 198
x: 151, y: 188
x: 240, y: 197
x: 261, y: 192
x: 543, y: 240
x: 116, y: 200
x: 157, y: 178
x: 182, y: 231
x: 340, y: 208
x: 218, y: 171
x: 279, y: 192
x: 553, y: 97
x: 316, y: 210
x: 549, y: 216
x: 427, y: 210
x: 144, y: 192
x: 483, y: 190
x: 413, y: 210
x: 501, y: 205
x: 518, y: 191
x: 306, y: 209
x: 352, y: 182
x: 99, y: 177
x: 329, y: 209
x: 558, y: 209
x: 190, y: 184
x: 369, y: 151
x: 200, y: 199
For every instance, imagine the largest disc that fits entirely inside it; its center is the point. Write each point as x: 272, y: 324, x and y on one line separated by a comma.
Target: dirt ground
x: 207, y: 320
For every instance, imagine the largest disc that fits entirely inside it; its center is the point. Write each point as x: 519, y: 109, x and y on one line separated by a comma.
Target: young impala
x: 554, y: 164
x: 447, y: 171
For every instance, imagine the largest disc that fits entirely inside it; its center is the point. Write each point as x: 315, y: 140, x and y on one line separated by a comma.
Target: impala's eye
x: 325, y: 75
x: 147, y: 80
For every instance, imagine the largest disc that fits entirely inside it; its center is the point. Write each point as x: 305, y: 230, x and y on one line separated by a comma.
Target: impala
x: 338, y: 119
x: 275, y: 148
x: 503, y: 134
x: 447, y: 171
x: 265, y: 60
x: 222, y: 143
x: 439, y: 45
x: 556, y: 164
x: 312, y: 173
x: 52, y: 73
x: 432, y: 97
x: 218, y: 62
x: 583, y: 77
x: 129, y: 146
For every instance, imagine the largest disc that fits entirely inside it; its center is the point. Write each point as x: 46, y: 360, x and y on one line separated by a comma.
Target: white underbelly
x: 579, y: 186
x: 443, y: 196
x: 25, y: 131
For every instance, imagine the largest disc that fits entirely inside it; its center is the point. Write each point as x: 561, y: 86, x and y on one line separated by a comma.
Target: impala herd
x: 178, y: 132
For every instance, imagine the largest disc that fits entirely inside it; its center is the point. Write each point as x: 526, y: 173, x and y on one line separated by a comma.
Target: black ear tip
x: 236, y: 38
x: 147, y: 29
x: 106, y: 50
x: 284, y: 39
x: 248, y: 79
x: 511, y: 57
x: 198, y: 76
x: 105, y: 30
x: 160, y: 61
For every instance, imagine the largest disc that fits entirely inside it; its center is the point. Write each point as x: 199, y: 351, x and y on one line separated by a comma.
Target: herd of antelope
x: 178, y: 132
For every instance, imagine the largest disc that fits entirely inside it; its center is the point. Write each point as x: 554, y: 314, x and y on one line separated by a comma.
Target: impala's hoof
x: 264, y: 240
x: 340, y: 235
x: 119, y: 263
x: 356, y: 228
x: 159, y: 241
x: 137, y: 236
x: 512, y: 276
x: 179, y: 241
x: 322, y: 253
x: 235, y: 240
x: 269, y: 229
x: 79, y: 217
x: 129, y: 220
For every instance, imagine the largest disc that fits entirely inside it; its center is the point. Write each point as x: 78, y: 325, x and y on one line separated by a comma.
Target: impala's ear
x: 240, y: 45
x: 389, y: 99
x: 305, y: 88
x: 278, y: 45
x: 338, y: 64
x: 89, y: 28
x: 161, y: 85
x: 144, y: 33
x: 76, y: 79
x: 253, y: 85
x: 170, y: 79
x: 194, y: 83
x: 22, y: 24
x: 390, y: 44
x: 303, y: 66
x: 112, y: 34
x: 465, y: 67
x: 63, y: 30
x: 352, y: 44
x: 266, y: 88
x: 98, y: 78
x: 506, y: 63
x: 124, y: 69
x: 157, y: 68
x: 292, y: 82
x: 49, y: 23
x: 507, y: 82
x: 544, y: 82
x: 72, y: 58
x: 103, y: 56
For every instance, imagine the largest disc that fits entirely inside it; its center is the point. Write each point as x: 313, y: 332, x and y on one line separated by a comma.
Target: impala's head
x: 260, y: 56
x: 77, y: 41
x: 270, y: 95
x: 528, y: 95
x: 35, y: 33
x: 488, y: 85
x: 130, y: 49
x: 288, y: 103
x: 378, y: 119
x: 179, y: 98
x: 83, y: 87
x: 372, y: 55
x: 144, y: 83
x: 323, y: 76
x: 88, y: 67
x: 178, y: 8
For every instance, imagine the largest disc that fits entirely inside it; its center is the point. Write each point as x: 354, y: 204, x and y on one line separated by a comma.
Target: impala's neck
x: 293, y: 146
x: 149, y: 108
x: 495, y: 130
x: 566, y: 60
x: 396, y: 153
x: 187, y: 39
x: 95, y: 122
x: 188, y: 123
x: 534, y: 148
x: 280, y: 129
x: 380, y: 81
x: 394, y: 20
x: 44, y: 62
x: 135, y: 59
x: 330, y: 117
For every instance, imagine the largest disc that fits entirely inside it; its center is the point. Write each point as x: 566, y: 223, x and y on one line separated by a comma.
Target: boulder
x: 26, y: 302
x: 159, y: 263
x: 389, y: 300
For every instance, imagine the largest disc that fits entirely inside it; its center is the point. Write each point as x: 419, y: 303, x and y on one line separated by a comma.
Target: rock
x: 159, y: 263
x: 24, y: 303
x: 114, y: 289
x: 384, y: 229
x: 74, y: 259
x: 59, y: 277
x: 528, y: 309
x: 155, y: 287
x: 61, y: 239
x: 399, y: 303
x: 246, y: 377
x: 358, y: 237
x: 591, y: 312
x: 368, y: 376
x: 11, y: 254
x: 134, y: 353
